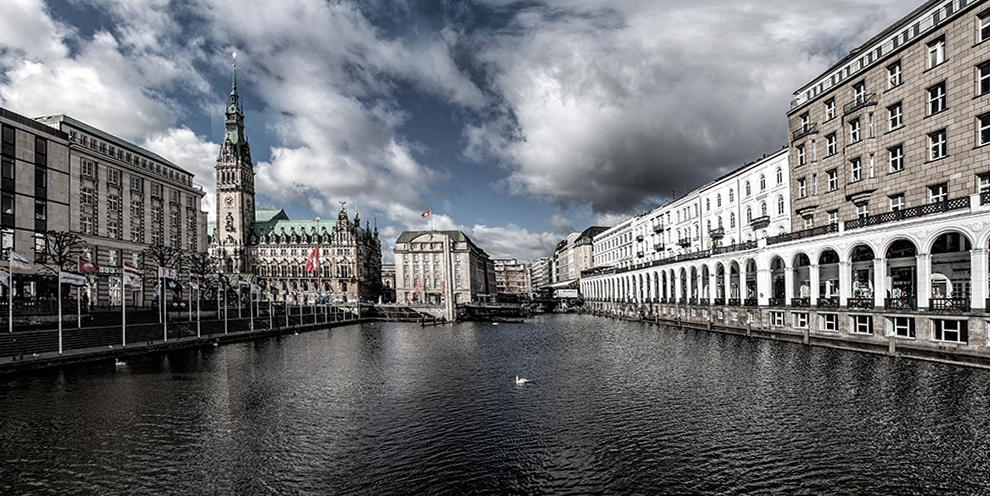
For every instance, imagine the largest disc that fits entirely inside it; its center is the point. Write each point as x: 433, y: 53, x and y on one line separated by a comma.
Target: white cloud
x: 194, y: 154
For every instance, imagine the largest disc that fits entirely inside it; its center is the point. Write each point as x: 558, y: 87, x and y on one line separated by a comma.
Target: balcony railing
x: 717, y: 234
x: 734, y: 302
x: 807, y: 233
x: 640, y: 254
x: 658, y: 228
x: 948, y: 304
x: 658, y: 248
x: 639, y: 238
x: 866, y: 303
x: 832, y: 302
x: 720, y: 301
x: 777, y: 302
x: 800, y: 302
x: 860, y: 102
x: 760, y: 222
x: 751, y: 302
x: 910, y: 213
x: 684, y: 242
x: 693, y: 300
x: 804, y: 131
x: 909, y: 303
x: 984, y: 197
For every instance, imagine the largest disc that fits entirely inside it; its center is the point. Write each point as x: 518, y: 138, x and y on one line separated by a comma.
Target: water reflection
x: 613, y: 408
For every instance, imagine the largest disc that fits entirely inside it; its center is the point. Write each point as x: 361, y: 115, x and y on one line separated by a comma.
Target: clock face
x: 228, y: 201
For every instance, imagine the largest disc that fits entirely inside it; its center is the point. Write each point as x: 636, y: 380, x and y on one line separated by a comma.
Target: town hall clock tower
x: 235, y: 189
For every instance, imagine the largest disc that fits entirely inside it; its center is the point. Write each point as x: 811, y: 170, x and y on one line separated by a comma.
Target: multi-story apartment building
x: 613, y: 247
x: 388, y: 284
x: 898, y: 123
x: 249, y: 242
x: 889, y: 202
x: 430, y: 266
x: 125, y: 199
x: 512, y: 279
x: 574, y: 254
x: 35, y: 193
x: 539, y: 275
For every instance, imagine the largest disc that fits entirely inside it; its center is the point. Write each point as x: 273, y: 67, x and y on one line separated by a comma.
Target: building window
x: 983, y: 79
x: 859, y: 92
x: 731, y: 196
x: 862, y: 324
x: 829, y: 322
x: 983, y: 124
x: 830, y: 148
x: 780, y: 205
x: 87, y: 225
x: 749, y: 214
x: 862, y: 210
x: 809, y: 221
x: 833, y: 179
x: 903, y: 327
x: 855, y: 170
x: 854, y: 135
x: 830, y: 109
x: 936, y: 98
x: 800, y: 320
x: 984, y: 26
x: 938, y: 193
x: 984, y: 183
x: 113, y: 176
x: 833, y: 216
x: 718, y: 203
x: 777, y: 318
x: 40, y: 210
x: 802, y: 188
x: 86, y: 167
x: 894, y: 74
x: 86, y: 196
x: 936, y: 52
x: 156, y: 190
x: 936, y: 145
x: 113, y: 203
x: 780, y: 175
x: 895, y: 117
x: 113, y: 230
x: 136, y: 209
x: 954, y: 331
x: 763, y: 182
x: 732, y: 220
x: 136, y: 234
x: 805, y: 122
x: 137, y: 184
x: 896, y: 202
x: 895, y: 157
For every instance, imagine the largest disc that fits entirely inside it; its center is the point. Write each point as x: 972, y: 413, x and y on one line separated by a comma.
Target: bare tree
x: 162, y: 256
x: 61, y: 249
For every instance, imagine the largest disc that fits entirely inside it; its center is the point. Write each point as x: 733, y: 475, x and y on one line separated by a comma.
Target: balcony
x: 734, y: 302
x: 909, y: 213
x: 864, y: 303
x: 760, y: 222
x: 720, y: 301
x: 684, y: 242
x: 658, y: 248
x: 717, y: 234
x: 860, y: 102
x: 751, y: 302
x: 804, y: 131
x: 806, y: 233
x: 948, y: 304
x: 640, y: 254
x: 832, y: 302
x: 658, y: 228
x: 777, y: 302
x: 909, y: 303
x: 801, y: 302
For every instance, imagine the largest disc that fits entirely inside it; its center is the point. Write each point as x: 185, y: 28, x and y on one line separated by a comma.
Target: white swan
x: 117, y: 362
x: 520, y: 381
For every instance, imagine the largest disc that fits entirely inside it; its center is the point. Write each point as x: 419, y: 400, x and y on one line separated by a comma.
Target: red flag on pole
x: 427, y: 213
x: 312, y: 261
x: 88, y: 267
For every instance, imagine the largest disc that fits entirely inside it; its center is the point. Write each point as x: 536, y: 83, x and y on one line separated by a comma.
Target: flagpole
x: 78, y: 308
x: 161, y: 295
x: 10, y: 290
x: 59, y: 310
x: 123, y: 314
x: 225, y: 298
x: 251, y: 305
x: 189, y: 310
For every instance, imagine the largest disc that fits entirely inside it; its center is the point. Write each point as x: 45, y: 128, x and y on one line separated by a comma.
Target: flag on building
x: 132, y: 277
x: 4, y: 278
x: 88, y: 267
x: 19, y: 262
x: 262, y: 282
x: 173, y: 285
x: 241, y: 281
x: 427, y: 213
x: 255, y: 289
x: 167, y: 273
x: 71, y: 278
x: 225, y: 282
x: 312, y: 261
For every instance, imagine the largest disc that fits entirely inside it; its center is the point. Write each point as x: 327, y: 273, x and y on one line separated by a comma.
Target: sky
x: 516, y: 122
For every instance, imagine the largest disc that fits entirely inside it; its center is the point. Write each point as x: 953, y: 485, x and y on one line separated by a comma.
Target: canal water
x: 611, y: 408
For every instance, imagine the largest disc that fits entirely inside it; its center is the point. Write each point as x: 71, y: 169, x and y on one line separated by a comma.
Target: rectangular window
x: 830, y: 148
x: 984, y: 26
x: 936, y: 145
x: 903, y: 327
x: 855, y: 170
x: 113, y: 230
x: 156, y: 213
x: 113, y: 203
x: 801, y: 155
x: 833, y: 216
x: 895, y: 118
x: 955, y: 331
x: 40, y: 210
x: 40, y: 151
x: 829, y: 322
x: 87, y: 196
x: 896, y: 202
x: 859, y: 92
x: 895, y: 156
x: 936, y: 53
x: 983, y: 79
x: 894, y: 74
x: 800, y: 320
x: 802, y: 188
x: 862, y: 324
x: 87, y: 225
x: 8, y: 141
x: 113, y: 176
x: 830, y: 109
x: 854, y: 135
x: 833, y: 180
x: 777, y: 318
x: 984, y: 183
x: 86, y: 167
x: 936, y: 99
x: 938, y: 193
x: 983, y: 127
x: 805, y: 122
x: 862, y: 210
x: 156, y: 190
x: 137, y: 184
x: 809, y: 222
x: 136, y: 234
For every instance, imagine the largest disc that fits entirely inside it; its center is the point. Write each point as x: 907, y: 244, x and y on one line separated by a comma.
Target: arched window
x: 763, y: 209
x: 709, y: 225
x: 780, y: 175
x: 780, y: 205
x: 718, y: 200
x: 749, y: 215
x: 720, y: 222
x: 731, y: 196
x: 708, y: 204
x: 748, y: 192
x: 763, y: 182
x: 732, y: 220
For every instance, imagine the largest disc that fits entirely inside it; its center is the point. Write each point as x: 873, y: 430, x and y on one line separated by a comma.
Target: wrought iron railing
x: 860, y: 102
x: 777, y: 302
x: 751, y: 302
x: 910, y: 213
x: 806, y: 233
x: 720, y: 301
x: 800, y: 302
x: 804, y: 131
x: 832, y: 302
x: 760, y: 222
x: 948, y: 304
x: 909, y: 303
x: 658, y: 228
x: 734, y: 302
x: 866, y: 303
x: 984, y: 197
